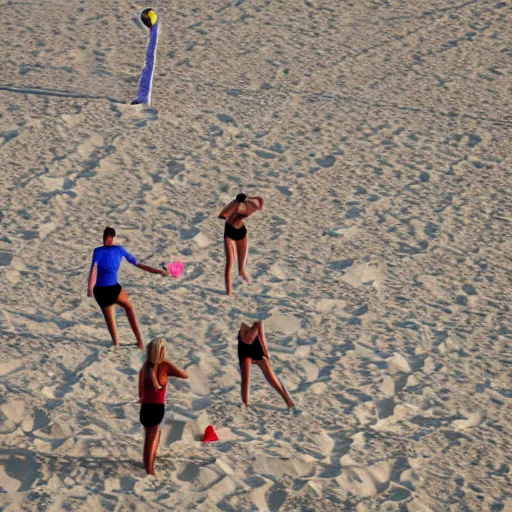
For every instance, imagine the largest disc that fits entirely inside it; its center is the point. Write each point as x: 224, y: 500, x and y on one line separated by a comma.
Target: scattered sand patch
x: 14, y: 410
x: 284, y: 324
x: 363, y: 274
x: 327, y: 305
x: 9, y: 366
x: 52, y: 184
x: 202, y: 240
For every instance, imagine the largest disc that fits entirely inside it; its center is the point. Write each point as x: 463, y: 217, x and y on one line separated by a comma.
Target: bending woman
x: 236, y: 243
x: 153, y: 378
x: 252, y: 348
x: 103, y: 284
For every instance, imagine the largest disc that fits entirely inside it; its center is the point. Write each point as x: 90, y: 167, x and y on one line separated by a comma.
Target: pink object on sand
x: 176, y: 269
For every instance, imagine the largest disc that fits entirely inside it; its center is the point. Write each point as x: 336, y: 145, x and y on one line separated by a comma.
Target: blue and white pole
x: 150, y: 19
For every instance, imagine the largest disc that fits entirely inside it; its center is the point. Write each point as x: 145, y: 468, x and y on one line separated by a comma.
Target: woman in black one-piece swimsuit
x: 252, y: 348
x: 236, y: 242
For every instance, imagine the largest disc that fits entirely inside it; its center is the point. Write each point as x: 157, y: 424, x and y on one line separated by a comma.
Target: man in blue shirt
x: 103, y: 284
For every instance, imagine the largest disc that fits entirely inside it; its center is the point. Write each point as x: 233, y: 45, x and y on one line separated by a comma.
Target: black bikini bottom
x: 152, y: 414
x: 254, y: 350
x: 106, y: 295
x: 234, y: 233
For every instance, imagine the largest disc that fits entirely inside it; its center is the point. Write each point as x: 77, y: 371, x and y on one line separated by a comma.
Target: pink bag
x: 176, y: 269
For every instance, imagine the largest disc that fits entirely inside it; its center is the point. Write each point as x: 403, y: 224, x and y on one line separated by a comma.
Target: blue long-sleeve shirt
x: 108, y: 258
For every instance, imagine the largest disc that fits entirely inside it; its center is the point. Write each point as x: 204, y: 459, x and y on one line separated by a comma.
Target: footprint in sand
x: 19, y: 473
x: 366, y: 481
x: 8, y: 367
x: 284, y: 324
x: 202, y: 240
x: 35, y: 421
x: 472, y: 420
x: 364, y: 274
x: 14, y: 411
x: 398, y: 364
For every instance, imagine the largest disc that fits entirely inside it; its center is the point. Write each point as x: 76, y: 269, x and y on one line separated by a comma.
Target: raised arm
x: 228, y: 209
x: 257, y: 201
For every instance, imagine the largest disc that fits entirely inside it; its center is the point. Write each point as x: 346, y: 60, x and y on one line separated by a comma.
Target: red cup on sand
x: 210, y: 435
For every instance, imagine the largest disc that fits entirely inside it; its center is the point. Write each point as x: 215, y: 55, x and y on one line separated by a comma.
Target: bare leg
x: 273, y: 381
x: 124, y: 301
x: 109, y: 313
x: 151, y: 441
x: 242, y: 247
x: 229, y: 248
x: 145, y: 453
x: 245, y: 370
x: 152, y: 454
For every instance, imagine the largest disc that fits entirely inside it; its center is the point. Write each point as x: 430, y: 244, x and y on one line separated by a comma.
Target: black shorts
x: 235, y: 233
x: 152, y: 415
x: 106, y: 295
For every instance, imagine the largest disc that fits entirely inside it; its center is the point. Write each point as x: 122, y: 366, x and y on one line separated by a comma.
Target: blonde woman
x: 236, y: 241
x: 153, y: 378
x: 252, y: 348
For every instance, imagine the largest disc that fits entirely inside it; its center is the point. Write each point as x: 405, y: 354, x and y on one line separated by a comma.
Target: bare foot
x: 290, y: 404
x: 140, y: 346
x: 245, y: 277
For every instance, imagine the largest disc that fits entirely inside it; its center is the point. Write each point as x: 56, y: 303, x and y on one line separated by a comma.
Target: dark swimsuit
x: 106, y: 295
x: 253, y: 350
x: 152, y: 409
x: 151, y: 414
x: 235, y: 233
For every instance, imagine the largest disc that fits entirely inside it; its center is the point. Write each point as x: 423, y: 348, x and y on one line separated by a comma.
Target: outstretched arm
x: 131, y: 259
x: 93, y: 274
x: 174, y: 371
x: 228, y: 209
x: 152, y: 270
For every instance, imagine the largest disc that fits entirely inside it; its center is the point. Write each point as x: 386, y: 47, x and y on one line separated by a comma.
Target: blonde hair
x: 155, y: 355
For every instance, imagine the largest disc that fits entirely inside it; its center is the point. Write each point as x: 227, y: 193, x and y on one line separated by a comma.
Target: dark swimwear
x: 234, y: 233
x: 106, y: 295
x: 253, y: 350
x: 152, y: 414
x: 152, y: 407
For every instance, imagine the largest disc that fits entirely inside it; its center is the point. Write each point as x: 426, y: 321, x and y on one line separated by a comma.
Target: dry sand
x: 378, y: 133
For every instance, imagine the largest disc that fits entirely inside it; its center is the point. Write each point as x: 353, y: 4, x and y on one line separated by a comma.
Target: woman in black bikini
x: 236, y: 242
x: 252, y: 348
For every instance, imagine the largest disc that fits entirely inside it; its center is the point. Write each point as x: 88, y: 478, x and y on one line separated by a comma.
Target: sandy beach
x: 378, y: 133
